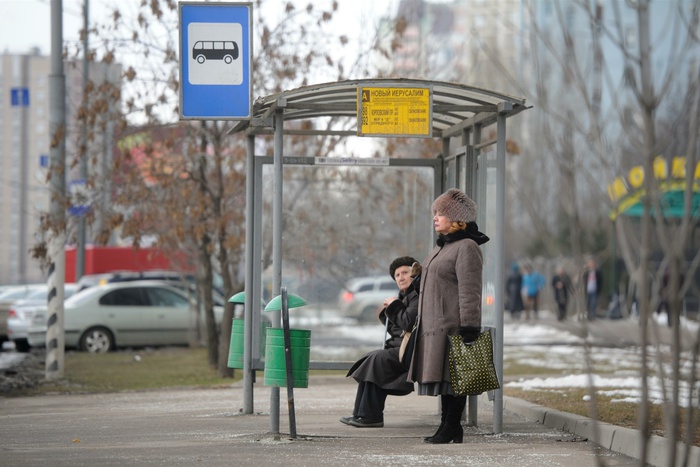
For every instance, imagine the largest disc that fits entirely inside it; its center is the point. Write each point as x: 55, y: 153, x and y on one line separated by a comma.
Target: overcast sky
x: 25, y: 24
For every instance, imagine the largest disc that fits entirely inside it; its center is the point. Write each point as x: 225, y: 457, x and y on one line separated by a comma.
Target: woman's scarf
x: 472, y: 232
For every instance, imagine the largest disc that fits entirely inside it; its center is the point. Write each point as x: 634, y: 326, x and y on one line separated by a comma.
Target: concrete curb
x: 619, y: 439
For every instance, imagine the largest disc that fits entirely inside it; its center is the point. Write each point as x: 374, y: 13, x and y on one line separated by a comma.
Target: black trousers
x: 369, y: 401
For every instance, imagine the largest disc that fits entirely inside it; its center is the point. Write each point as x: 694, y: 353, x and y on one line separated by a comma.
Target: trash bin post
x: 272, y: 365
x: 288, y: 360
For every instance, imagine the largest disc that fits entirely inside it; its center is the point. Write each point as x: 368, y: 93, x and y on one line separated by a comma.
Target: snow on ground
x: 619, y: 389
x: 614, y: 371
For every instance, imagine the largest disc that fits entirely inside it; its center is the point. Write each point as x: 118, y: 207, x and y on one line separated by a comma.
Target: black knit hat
x: 398, y: 262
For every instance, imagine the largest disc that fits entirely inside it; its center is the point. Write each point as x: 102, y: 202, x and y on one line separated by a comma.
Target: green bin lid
x: 293, y: 301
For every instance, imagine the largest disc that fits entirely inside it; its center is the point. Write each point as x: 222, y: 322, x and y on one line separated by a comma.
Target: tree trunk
x: 646, y: 98
x: 206, y: 290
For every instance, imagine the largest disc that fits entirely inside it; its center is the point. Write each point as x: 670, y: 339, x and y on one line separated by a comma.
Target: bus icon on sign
x: 215, y: 50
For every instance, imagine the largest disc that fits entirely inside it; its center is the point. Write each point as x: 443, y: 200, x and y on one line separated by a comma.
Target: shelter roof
x: 455, y: 106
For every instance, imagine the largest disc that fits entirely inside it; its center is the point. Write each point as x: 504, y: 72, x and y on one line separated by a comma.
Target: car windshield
x: 39, y: 294
x: 70, y: 289
x: 14, y: 294
x: 79, y: 297
x: 43, y: 293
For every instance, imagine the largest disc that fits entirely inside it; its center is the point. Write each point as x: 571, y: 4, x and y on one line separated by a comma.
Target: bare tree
x: 182, y: 186
x: 603, y: 77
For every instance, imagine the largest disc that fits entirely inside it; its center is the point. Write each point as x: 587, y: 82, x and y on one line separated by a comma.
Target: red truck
x: 104, y: 259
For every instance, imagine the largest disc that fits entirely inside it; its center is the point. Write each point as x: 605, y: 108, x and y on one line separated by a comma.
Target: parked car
x: 183, y: 281
x: 121, y: 314
x: 8, y: 296
x: 362, y: 296
x: 22, y: 311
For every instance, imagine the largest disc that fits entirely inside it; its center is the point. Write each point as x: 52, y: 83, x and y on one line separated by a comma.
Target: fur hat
x: 398, y: 262
x: 456, y: 206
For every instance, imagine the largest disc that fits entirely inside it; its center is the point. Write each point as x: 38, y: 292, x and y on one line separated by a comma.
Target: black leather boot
x: 444, y: 403
x: 452, y: 432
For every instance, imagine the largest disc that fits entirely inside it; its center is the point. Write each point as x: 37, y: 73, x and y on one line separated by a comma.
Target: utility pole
x: 55, y: 337
x: 80, y: 252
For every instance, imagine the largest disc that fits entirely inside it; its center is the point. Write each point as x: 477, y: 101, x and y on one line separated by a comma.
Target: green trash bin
x: 275, y: 362
x: 236, y: 347
x: 235, y: 350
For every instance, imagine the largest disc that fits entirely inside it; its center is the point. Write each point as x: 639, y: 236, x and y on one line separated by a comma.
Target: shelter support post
x: 248, y: 372
x: 257, y: 265
x: 445, y: 153
x: 469, y: 181
x: 499, y: 304
x: 467, y: 165
x: 277, y: 244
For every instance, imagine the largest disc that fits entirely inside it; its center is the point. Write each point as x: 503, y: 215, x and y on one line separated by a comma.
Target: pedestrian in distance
x: 561, y: 287
x: 665, y: 294
x: 593, y: 285
x: 533, y: 283
x: 514, y: 285
x: 380, y: 373
x: 449, y: 304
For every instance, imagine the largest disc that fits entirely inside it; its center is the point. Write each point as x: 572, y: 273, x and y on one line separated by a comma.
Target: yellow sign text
x: 394, y: 111
x: 623, y: 186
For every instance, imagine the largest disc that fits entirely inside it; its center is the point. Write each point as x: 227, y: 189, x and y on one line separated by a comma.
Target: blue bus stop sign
x: 215, y: 61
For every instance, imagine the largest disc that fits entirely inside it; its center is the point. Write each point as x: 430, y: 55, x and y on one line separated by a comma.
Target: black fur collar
x: 472, y: 231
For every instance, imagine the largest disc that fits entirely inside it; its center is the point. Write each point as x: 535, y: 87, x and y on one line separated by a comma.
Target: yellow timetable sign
x: 401, y: 111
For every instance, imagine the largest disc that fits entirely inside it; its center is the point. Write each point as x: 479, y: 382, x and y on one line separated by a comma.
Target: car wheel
x: 369, y: 313
x: 228, y: 59
x: 200, y: 58
x: 97, y: 340
x: 21, y: 345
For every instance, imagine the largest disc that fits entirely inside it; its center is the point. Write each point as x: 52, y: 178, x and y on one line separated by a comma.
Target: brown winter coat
x: 450, y: 298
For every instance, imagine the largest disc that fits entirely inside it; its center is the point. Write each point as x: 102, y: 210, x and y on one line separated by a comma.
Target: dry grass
x: 132, y: 370
x: 616, y: 413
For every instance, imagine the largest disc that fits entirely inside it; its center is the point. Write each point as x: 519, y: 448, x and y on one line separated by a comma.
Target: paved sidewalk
x: 204, y: 427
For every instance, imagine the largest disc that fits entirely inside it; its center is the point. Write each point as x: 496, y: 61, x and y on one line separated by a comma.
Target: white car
x: 22, y: 312
x: 122, y: 314
x: 362, y: 296
x: 8, y: 296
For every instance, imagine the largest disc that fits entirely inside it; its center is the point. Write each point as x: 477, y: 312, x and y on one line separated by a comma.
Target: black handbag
x: 471, y: 365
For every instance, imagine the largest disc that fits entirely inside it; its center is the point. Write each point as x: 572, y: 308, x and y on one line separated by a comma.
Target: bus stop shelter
x: 472, y: 159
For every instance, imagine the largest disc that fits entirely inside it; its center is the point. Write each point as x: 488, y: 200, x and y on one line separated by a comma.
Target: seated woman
x: 380, y: 373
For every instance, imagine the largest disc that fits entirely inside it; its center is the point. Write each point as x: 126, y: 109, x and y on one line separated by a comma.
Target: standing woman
x: 449, y: 304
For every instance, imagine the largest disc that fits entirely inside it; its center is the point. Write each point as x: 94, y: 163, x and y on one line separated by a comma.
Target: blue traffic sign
x: 19, y: 97
x: 215, y: 61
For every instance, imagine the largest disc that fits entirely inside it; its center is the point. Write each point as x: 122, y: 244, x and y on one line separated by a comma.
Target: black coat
x: 515, y: 297
x: 561, y: 287
x: 382, y: 367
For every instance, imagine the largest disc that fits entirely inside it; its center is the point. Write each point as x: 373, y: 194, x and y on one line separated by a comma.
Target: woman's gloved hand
x: 469, y: 333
